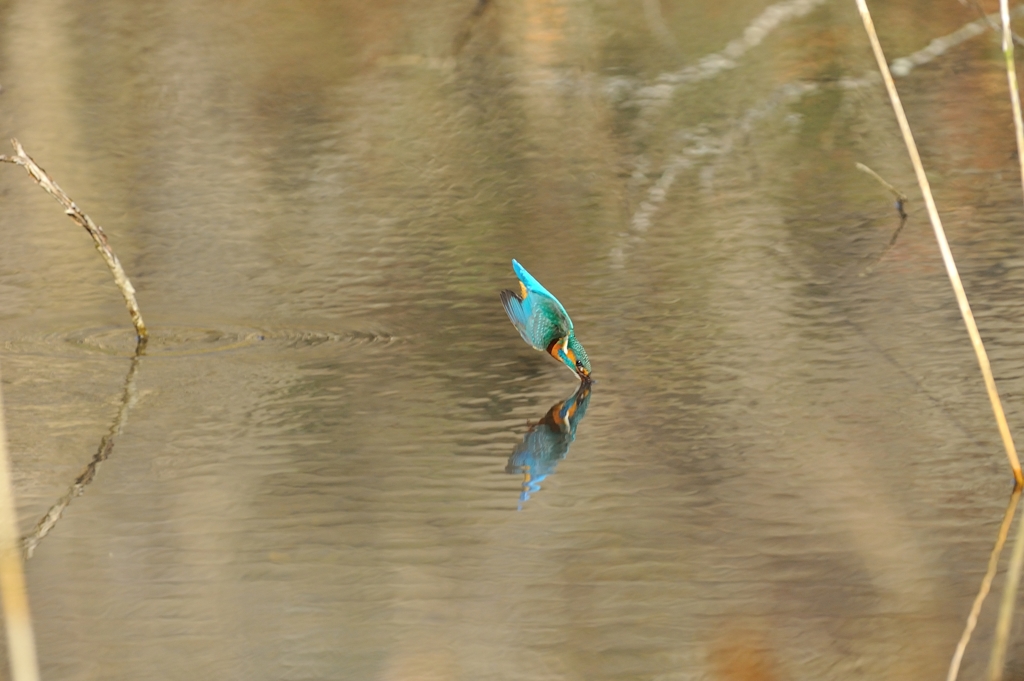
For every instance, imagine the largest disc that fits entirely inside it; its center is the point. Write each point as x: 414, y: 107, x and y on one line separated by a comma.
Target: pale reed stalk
x: 947, y: 256
x: 986, y: 585
x: 998, y: 657
x: 1011, y: 76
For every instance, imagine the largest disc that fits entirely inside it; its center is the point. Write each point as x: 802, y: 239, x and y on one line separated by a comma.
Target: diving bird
x: 544, y: 323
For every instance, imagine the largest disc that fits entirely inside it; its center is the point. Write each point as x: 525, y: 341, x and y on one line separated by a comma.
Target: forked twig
x: 947, y: 256
x: 901, y: 200
x: 900, y: 196
x: 95, y: 231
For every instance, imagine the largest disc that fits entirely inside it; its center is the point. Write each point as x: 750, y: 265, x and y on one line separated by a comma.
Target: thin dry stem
x: 1006, y: 607
x: 997, y: 660
x: 94, y: 230
x: 947, y: 256
x: 17, y: 618
x: 986, y: 585
x: 900, y: 196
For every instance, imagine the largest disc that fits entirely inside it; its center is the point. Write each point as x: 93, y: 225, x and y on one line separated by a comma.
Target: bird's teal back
x: 533, y: 286
x: 537, y: 314
x: 535, y: 323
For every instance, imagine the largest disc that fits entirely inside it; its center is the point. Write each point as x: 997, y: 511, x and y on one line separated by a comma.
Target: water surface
x: 787, y: 469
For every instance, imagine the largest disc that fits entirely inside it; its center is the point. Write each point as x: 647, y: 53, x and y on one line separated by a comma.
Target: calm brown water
x: 786, y: 470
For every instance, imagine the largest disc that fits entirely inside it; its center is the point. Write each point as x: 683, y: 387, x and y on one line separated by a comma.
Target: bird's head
x: 572, y: 354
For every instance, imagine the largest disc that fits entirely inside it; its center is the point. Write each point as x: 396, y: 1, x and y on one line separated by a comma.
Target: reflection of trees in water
x: 547, y: 442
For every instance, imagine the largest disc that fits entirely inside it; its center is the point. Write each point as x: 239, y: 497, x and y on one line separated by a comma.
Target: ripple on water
x: 183, y: 341
x: 294, y: 338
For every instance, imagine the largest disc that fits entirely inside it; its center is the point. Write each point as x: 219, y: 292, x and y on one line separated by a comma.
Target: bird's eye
x: 579, y: 364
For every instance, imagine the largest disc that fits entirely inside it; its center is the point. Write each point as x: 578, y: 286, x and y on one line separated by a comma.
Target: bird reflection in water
x: 547, y: 442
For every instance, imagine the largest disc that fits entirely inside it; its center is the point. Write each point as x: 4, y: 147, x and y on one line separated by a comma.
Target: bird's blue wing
x: 543, y: 300
x: 538, y: 329
x: 517, y: 313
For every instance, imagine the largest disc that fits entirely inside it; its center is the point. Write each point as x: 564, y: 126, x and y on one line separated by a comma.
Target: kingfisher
x: 544, y: 323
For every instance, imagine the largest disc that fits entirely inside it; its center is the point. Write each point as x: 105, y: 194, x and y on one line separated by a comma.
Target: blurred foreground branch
x: 21, y: 642
x: 95, y: 231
